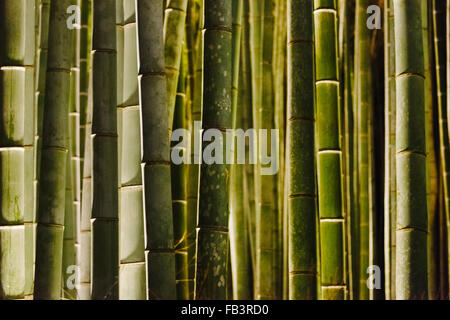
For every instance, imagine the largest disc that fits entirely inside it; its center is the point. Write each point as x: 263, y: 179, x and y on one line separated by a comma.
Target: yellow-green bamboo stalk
x: 174, y: 23
x: 363, y: 100
x: 240, y: 275
x: 279, y: 73
x: 249, y: 168
x: 411, y: 234
x: 50, y: 215
x: 390, y: 181
x: 194, y: 168
x: 329, y: 153
x: 438, y: 10
x: 179, y: 192
x: 17, y: 33
x: 432, y: 164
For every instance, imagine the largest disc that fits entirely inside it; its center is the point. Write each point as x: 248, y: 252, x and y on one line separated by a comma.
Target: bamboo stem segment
x: 159, y: 251
x: 301, y: 152
x: 411, y: 234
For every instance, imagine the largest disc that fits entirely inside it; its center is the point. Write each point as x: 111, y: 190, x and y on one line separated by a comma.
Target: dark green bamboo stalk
x: 332, y: 223
x: 249, y: 168
x: 438, y: 10
x: 269, y: 216
x: 104, y: 214
x: 194, y: 168
x: 159, y: 253
x: 363, y: 100
x: 179, y: 202
x: 411, y: 234
x: 84, y: 55
x: 390, y: 181
x: 72, y: 205
x: 84, y: 290
x: 17, y: 33
x: 174, y: 23
x: 300, y: 151
x: 50, y: 215
x: 432, y: 164
x: 241, y: 276
x: 212, y: 225
x: 279, y: 74
x: 131, y: 219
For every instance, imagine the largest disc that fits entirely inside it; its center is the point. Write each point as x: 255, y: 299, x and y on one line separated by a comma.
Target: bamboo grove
x: 347, y: 100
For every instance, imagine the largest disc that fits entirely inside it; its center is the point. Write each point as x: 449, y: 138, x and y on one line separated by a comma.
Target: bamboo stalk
x: 84, y: 55
x: 174, y: 23
x: 438, y: 11
x: 279, y: 72
x: 240, y: 272
x: 16, y: 144
x: 300, y: 152
x: 50, y: 215
x: 390, y: 181
x: 447, y: 217
x: 132, y: 277
x: 329, y: 154
x: 411, y: 234
x: 86, y: 104
x: 432, y: 164
x: 249, y: 168
x: 179, y: 201
x: 364, y: 107
x: 194, y: 168
x: 104, y: 214
x: 212, y: 225
x: 159, y: 253
x: 72, y: 205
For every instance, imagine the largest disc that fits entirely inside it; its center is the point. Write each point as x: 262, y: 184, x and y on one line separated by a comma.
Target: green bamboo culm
x: 159, y: 253
x: 41, y: 67
x: 329, y: 154
x: 84, y: 289
x: 390, y: 181
x: 132, y: 279
x: 212, y: 226
x: 364, y: 107
x: 50, y: 214
x: 411, y: 232
x: 247, y: 115
x: 279, y: 80
x: 104, y: 214
x: 174, y: 23
x: 263, y: 227
x: 447, y: 176
x: 194, y: 167
x: 179, y: 193
x: 17, y: 34
x: 300, y: 152
x: 268, y: 224
x: 72, y: 205
x: 84, y: 55
x: 432, y: 162
x: 240, y: 259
